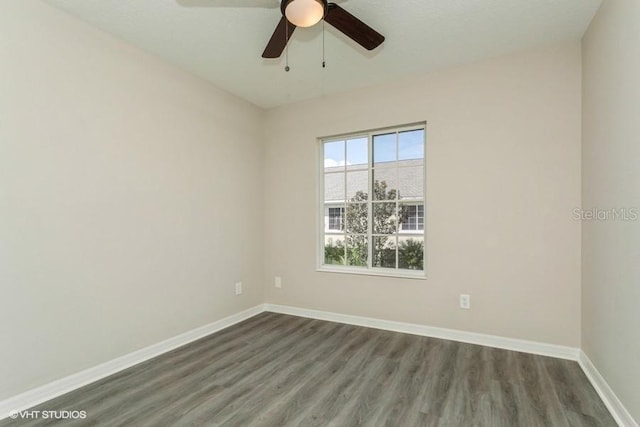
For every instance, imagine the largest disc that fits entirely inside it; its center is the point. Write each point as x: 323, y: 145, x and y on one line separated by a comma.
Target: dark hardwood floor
x: 278, y: 370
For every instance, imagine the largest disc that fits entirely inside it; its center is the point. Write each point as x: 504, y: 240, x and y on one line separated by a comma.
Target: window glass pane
x: 411, y: 253
x: 385, y: 218
x: 412, y: 217
x: 335, y: 219
x: 385, y: 184
x: 334, y: 187
x: 358, y: 153
x: 334, y: 250
x: 384, y: 148
x: 357, y: 250
x: 334, y: 155
x: 357, y: 186
x: 384, y: 252
x: 411, y: 145
x: 356, y: 218
x: 410, y: 182
x: 408, y: 217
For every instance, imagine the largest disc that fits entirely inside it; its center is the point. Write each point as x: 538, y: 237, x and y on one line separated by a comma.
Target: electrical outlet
x: 465, y: 301
x: 278, y: 282
x: 238, y: 288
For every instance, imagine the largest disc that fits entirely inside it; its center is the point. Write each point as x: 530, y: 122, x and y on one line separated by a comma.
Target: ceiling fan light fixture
x: 304, y: 13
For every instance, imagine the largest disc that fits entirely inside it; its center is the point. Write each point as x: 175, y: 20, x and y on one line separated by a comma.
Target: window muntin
x: 373, y: 201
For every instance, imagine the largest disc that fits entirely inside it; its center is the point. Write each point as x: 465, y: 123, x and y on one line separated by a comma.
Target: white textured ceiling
x: 222, y: 40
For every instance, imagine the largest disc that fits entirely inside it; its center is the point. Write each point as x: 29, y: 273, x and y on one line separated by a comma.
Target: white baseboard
x: 64, y: 385
x: 617, y: 409
x: 524, y: 346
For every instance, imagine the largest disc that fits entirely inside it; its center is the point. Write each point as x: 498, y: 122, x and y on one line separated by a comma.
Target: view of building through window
x: 336, y: 218
x: 414, y: 218
x: 373, y: 200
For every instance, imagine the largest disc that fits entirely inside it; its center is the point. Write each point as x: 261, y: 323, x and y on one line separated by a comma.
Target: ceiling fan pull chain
x: 324, y: 64
x: 286, y: 29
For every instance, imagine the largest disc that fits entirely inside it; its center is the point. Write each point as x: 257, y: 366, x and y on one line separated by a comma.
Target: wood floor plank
x: 276, y: 370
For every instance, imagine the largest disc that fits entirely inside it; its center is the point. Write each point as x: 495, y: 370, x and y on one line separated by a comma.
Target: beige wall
x: 611, y: 163
x: 503, y: 176
x: 128, y: 198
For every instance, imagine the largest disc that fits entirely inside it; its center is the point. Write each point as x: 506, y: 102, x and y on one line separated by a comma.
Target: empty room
x: 315, y: 213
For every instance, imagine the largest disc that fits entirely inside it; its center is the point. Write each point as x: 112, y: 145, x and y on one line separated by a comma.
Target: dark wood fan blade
x: 279, y: 39
x: 353, y: 28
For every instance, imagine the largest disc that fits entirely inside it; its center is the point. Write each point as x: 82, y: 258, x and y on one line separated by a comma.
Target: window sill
x: 383, y: 272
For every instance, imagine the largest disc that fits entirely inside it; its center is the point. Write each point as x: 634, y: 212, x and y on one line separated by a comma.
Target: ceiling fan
x: 306, y: 13
x: 303, y: 13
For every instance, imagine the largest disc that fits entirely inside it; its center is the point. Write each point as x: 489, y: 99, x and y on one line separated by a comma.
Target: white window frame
x: 321, y: 223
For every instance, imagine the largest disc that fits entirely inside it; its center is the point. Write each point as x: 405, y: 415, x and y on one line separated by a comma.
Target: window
x: 372, y: 199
